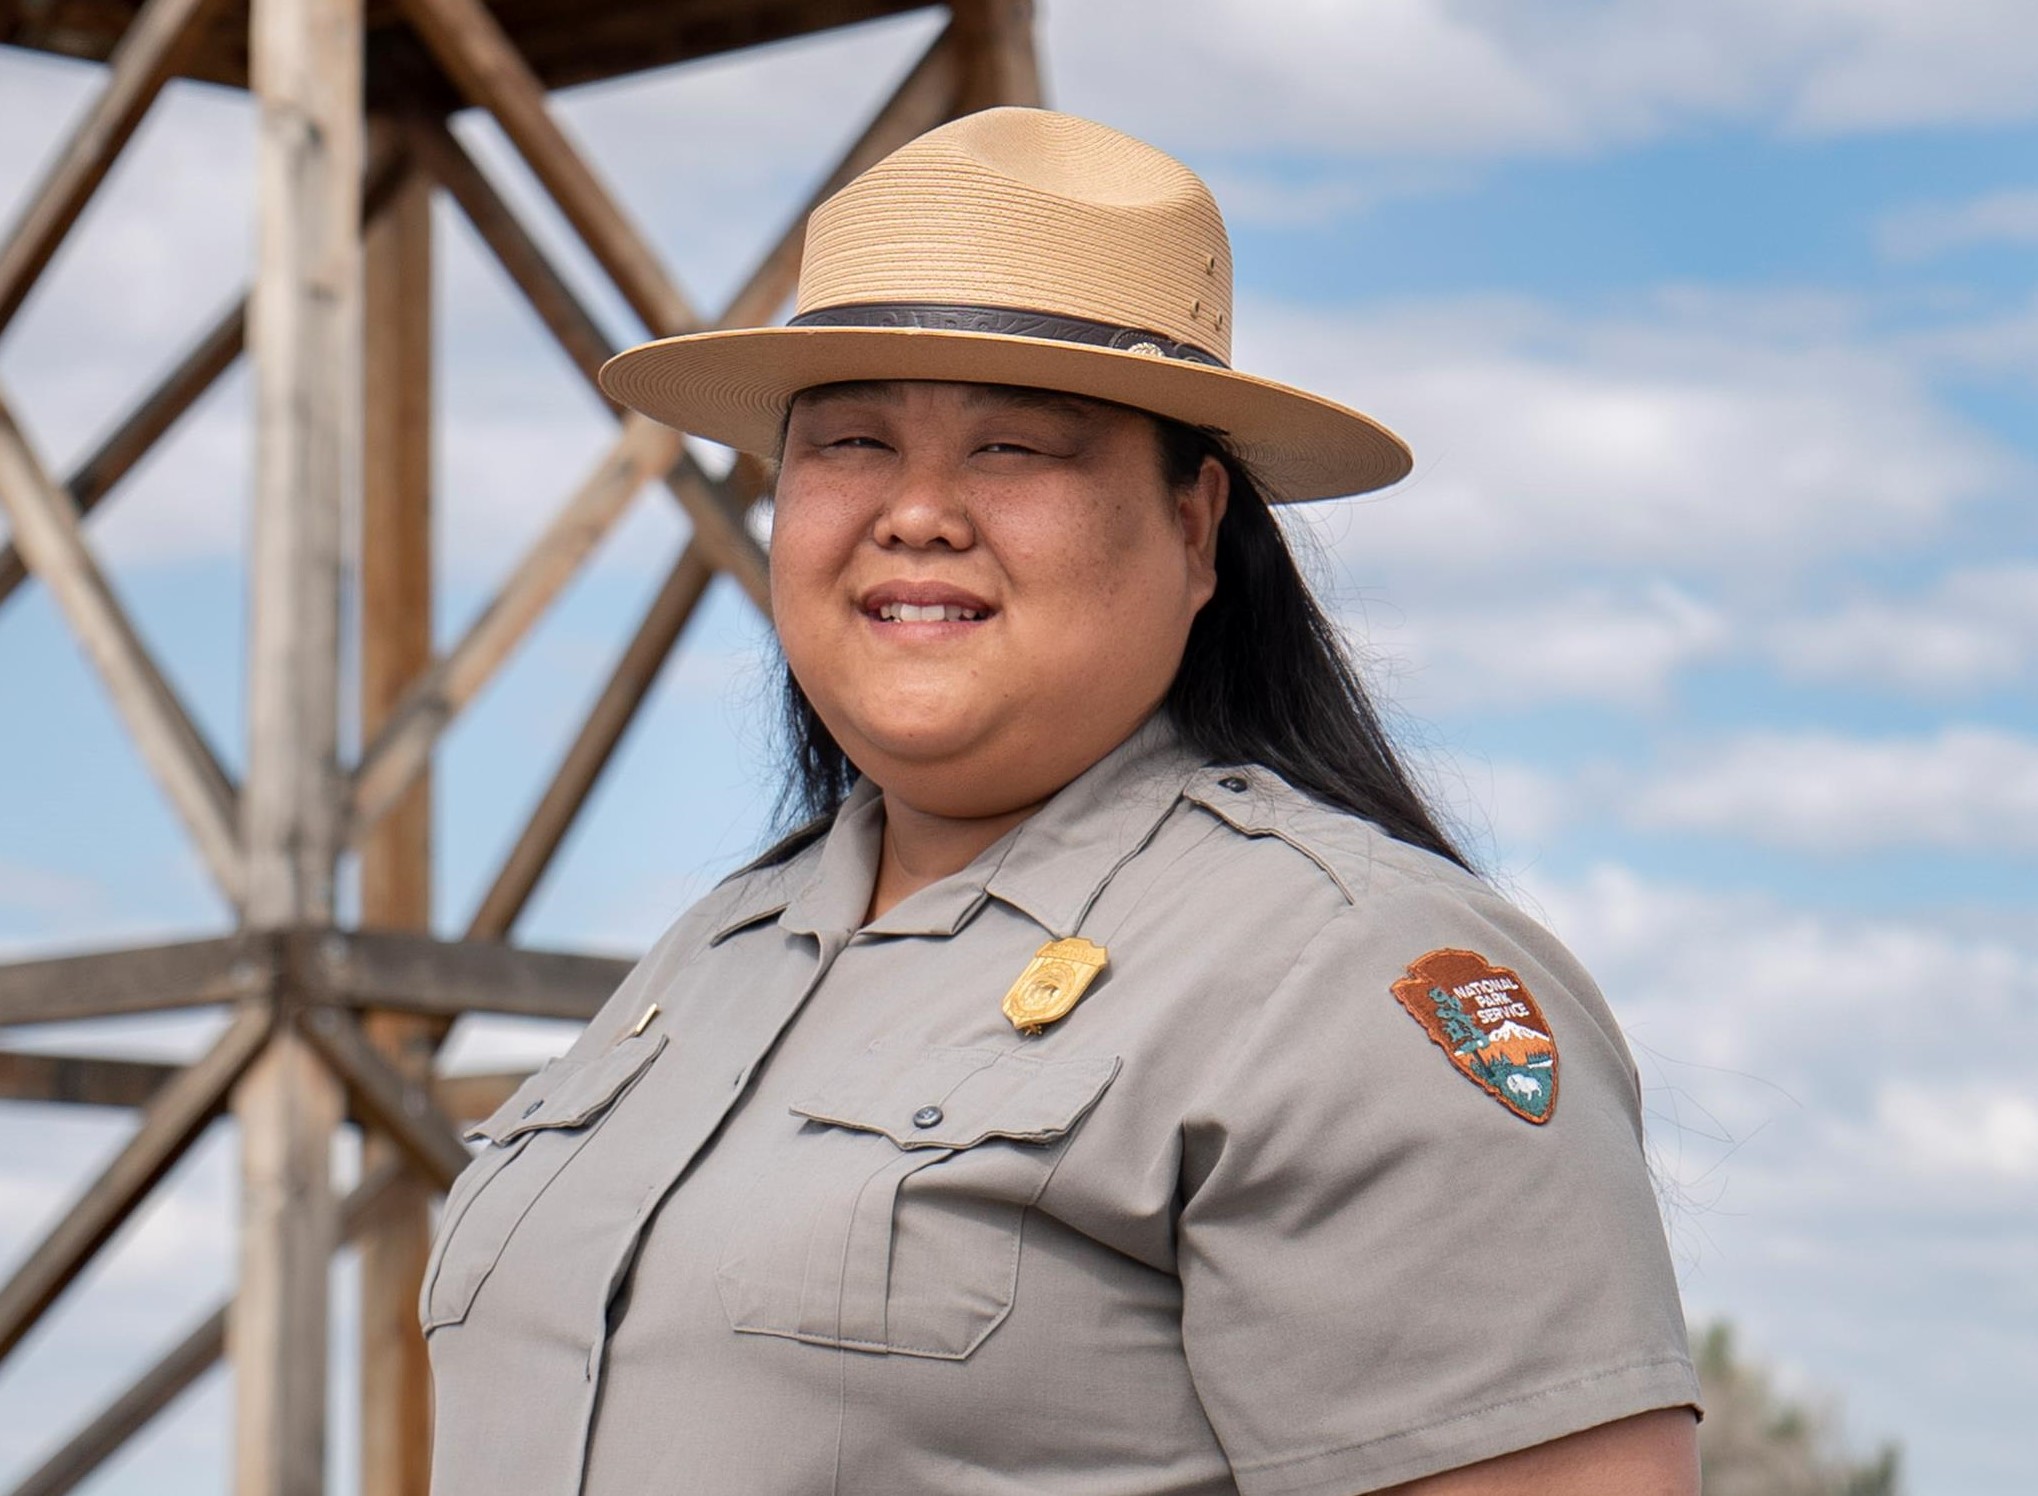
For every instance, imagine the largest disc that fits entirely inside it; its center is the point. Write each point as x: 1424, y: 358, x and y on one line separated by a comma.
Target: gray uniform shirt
x: 1282, y: 1206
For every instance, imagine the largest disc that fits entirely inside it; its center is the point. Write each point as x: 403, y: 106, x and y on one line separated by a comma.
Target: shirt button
x: 1233, y: 783
x: 533, y: 1106
x: 927, y: 1116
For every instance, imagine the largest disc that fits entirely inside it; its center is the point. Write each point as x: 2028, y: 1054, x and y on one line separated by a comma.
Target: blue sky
x: 1711, y: 611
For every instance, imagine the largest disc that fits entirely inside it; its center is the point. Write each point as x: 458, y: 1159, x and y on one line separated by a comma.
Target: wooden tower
x: 330, y: 1026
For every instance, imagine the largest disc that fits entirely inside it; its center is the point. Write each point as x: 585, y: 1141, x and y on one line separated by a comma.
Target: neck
x: 920, y: 848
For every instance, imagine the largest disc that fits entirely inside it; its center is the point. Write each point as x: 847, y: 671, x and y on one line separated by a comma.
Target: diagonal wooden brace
x: 188, y: 1360
x: 170, y: 1125
x: 154, y: 46
x: 46, y: 529
x: 487, y: 68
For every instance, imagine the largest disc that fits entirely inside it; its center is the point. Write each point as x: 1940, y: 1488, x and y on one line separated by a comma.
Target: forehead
x: 983, y: 396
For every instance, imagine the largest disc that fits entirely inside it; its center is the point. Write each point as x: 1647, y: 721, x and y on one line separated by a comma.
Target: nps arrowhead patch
x: 1483, y: 1017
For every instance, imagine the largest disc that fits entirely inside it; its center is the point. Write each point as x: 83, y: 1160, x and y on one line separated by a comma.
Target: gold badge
x: 1052, y: 983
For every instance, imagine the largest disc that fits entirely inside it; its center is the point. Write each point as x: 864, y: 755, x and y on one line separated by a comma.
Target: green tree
x: 1757, y: 1442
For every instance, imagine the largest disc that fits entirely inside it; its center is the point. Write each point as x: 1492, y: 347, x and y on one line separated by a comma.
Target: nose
x: 926, y: 509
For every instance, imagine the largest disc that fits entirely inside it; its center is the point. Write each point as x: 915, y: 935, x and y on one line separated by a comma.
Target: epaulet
x: 1352, y: 852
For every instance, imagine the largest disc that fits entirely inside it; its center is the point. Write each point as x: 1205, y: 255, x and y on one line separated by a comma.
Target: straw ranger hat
x: 1019, y: 247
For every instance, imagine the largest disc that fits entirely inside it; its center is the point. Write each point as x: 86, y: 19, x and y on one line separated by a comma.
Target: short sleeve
x: 1391, y: 1266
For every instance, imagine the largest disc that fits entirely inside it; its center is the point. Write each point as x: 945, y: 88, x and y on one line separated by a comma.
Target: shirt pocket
x: 529, y: 1139
x: 891, y: 1215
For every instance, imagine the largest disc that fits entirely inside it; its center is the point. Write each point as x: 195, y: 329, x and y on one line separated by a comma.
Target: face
x: 983, y: 590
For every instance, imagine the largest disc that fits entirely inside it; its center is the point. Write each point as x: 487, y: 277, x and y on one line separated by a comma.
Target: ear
x: 1199, y: 510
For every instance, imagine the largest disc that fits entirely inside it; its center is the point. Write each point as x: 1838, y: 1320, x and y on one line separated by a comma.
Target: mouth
x: 922, y: 604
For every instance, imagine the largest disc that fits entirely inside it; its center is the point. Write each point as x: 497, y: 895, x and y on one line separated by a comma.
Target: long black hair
x: 1265, y: 679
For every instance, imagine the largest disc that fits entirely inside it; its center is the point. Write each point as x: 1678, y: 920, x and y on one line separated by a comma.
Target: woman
x: 1121, y: 1086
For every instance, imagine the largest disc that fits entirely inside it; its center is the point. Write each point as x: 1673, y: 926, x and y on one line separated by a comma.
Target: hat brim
x: 734, y: 387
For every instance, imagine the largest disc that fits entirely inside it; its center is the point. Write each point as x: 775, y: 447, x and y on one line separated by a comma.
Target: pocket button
x: 927, y: 1116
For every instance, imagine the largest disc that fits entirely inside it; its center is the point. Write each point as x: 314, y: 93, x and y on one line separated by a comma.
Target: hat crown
x: 1030, y: 211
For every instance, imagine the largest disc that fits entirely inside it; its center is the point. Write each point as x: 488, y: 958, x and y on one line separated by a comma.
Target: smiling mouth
x: 929, y: 613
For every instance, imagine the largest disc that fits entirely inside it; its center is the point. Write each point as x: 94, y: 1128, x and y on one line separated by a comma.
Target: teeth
x: 927, y: 613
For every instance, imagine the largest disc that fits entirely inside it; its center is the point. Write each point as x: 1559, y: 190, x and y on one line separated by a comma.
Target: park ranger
x: 1120, y: 1086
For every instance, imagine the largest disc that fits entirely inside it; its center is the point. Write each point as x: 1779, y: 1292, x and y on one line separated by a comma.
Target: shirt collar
x: 1050, y: 867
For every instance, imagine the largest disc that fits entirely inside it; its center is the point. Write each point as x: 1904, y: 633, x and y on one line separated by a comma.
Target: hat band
x: 1007, y: 322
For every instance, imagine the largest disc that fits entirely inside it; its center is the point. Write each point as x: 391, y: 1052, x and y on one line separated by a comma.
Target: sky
x: 1710, y: 611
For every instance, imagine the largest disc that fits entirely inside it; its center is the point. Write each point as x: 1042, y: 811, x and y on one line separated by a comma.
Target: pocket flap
x: 568, y: 1092
x: 922, y: 1097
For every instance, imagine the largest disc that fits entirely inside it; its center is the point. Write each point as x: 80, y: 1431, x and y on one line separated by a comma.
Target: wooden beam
x: 487, y: 68
x: 146, y: 979
x: 155, y: 45
x: 528, y: 266
x: 86, y: 1080
x: 131, y: 1412
x: 400, y: 751
x: 305, y: 65
x: 628, y: 686
x: 1000, y: 62
x: 172, y: 398
x: 46, y: 530
x: 194, y: 374
x: 170, y: 1125
x: 396, y: 855
x: 164, y: 1382
x: 95, y: 1080
x: 402, y: 1108
x: 715, y: 510
x: 924, y: 98
x: 417, y: 974
x: 468, y: 1098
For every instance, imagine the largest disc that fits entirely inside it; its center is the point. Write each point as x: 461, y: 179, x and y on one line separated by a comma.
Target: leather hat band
x: 1010, y: 322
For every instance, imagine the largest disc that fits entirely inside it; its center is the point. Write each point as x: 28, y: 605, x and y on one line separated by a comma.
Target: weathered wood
x: 528, y: 266
x: 147, y: 979
x: 46, y: 530
x: 417, y: 974
x: 924, y: 98
x: 95, y: 1080
x: 154, y: 46
x: 489, y: 70
x: 616, y: 708
x: 288, y: 1106
x: 642, y: 451
x: 396, y: 855
x: 566, y: 41
x: 401, y: 1107
x: 131, y: 1412
x: 715, y: 510
x: 161, y: 409
x: 468, y: 1098
x: 304, y: 336
x: 170, y: 1125
x: 999, y: 60
x: 188, y: 1360
x: 84, y: 1080
x: 566, y: 48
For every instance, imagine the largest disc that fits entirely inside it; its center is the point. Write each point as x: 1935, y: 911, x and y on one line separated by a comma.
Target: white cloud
x: 1925, y: 230
x: 1585, y: 644
x: 1703, y: 433
x: 1965, y: 788
x: 1498, y: 79
x: 1753, y: 990
x: 1979, y: 1128
x: 1977, y: 627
